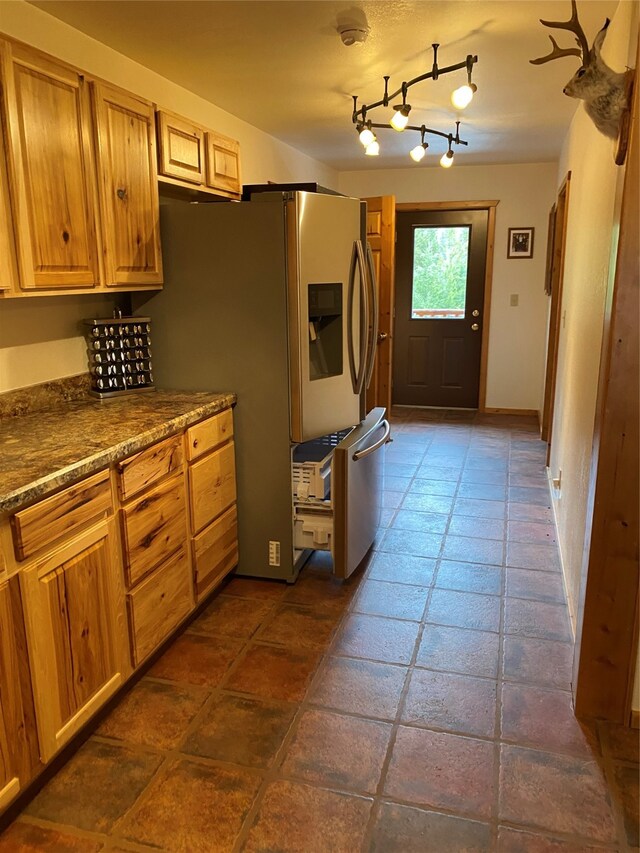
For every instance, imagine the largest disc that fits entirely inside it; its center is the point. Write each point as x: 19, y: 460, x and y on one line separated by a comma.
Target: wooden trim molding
x: 556, y: 277
x: 486, y: 308
x: 447, y: 205
x: 530, y: 413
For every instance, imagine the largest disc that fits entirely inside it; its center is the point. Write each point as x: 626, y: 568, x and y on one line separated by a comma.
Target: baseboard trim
x: 531, y: 413
x: 572, y: 615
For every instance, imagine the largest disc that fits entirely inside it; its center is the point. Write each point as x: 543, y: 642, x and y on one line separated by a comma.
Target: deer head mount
x: 605, y: 92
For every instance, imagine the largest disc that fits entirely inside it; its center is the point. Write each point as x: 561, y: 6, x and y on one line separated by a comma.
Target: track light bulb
x: 367, y: 136
x: 463, y: 96
x: 446, y: 161
x: 418, y: 152
x: 400, y: 117
x: 373, y: 148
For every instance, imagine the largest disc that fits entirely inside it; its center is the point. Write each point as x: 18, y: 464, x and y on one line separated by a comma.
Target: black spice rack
x: 119, y: 356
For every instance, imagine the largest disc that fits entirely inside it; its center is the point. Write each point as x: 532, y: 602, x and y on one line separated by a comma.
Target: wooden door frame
x: 556, y: 279
x: 379, y: 392
x: 490, y: 206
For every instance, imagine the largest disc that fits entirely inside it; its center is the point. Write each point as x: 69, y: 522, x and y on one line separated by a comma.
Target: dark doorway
x: 440, y: 276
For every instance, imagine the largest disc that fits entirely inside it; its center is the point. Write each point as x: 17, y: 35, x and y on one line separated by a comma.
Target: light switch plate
x: 513, y: 300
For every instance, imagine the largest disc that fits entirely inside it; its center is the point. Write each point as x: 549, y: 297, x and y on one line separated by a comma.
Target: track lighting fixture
x: 460, y: 98
x: 417, y: 153
x: 446, y: 161
x: 367, y: 136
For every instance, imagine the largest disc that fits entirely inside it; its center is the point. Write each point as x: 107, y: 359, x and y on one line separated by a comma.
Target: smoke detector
x: 353, y: 35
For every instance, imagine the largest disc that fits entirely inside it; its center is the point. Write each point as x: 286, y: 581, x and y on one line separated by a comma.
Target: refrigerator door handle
x: 364, y: 317
x: 362, y: 454
x: 373, y: 320
x: 352, y: 286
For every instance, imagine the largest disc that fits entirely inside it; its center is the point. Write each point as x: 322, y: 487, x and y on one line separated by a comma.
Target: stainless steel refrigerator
x: 275, y: 298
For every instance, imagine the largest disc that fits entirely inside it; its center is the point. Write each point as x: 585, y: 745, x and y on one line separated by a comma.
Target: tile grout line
x: 498, y: 712
x: 378, y: 794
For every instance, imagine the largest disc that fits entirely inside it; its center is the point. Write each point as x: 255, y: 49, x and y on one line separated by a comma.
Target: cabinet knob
x: 122, y: 194
x: 195, y: 442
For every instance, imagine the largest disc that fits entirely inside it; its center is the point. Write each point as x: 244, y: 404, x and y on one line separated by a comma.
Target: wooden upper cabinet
x: 180, y: 148
x: 50, y: 171
x: 223, y: 164
x: 127, y: 176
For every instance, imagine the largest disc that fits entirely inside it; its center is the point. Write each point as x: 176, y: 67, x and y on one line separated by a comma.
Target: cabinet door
x: 51, y: 171
x: 19, y: 755
x: 127, y: 176
x: 223, y: 164
x: 76, y: 632
x: 181, y: 148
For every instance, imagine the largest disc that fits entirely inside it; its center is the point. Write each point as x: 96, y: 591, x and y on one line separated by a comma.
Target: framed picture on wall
x: 520, y: 243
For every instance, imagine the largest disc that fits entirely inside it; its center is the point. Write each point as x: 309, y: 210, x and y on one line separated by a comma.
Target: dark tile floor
x: 423, y: 706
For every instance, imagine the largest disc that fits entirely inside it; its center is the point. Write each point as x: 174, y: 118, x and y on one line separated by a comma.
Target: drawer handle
x: 195, y: 442
x: 122, y: 194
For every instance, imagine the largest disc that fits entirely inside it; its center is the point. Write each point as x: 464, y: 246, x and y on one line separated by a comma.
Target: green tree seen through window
x: 440, y: 259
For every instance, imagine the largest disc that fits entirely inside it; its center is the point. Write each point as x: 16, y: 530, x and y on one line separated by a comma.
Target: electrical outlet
x: 514, y: 300
x: 274, y: 553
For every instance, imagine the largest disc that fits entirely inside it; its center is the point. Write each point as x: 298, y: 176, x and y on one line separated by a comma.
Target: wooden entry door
x: 381, y: 230
x: 440, y: 278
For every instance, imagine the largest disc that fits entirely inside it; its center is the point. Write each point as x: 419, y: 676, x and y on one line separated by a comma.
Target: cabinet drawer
x: 181, y: 148
x: 146, y: 468
x: 158, y: 604
x: 215, y: 551
x: 212, y: 486
x: 153, y: 527
x: 61, y: 515
x: 209, y: 434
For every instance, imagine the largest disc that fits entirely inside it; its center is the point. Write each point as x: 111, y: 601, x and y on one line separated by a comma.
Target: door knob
x: 475, y: 327
x: 382, y: 336
x: 475, y: 313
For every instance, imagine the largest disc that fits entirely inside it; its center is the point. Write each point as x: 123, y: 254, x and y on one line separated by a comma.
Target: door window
x: 440, y: 265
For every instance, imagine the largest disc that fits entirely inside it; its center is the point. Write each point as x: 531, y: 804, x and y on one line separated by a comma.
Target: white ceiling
x: 282, y: 67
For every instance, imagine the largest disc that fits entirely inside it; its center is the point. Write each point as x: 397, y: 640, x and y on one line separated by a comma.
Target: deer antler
x: 573, y: 25
x: 556, y: 53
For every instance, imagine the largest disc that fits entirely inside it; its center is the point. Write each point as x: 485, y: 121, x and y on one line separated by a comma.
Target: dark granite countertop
x: 44, y: 450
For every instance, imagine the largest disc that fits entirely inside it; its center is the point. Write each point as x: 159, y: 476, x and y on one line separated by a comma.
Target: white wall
x: 517, y: 338
x: 593, y: 214
x: 39, y: 339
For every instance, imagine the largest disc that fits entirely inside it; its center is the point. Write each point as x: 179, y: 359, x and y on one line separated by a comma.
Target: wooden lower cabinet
x: 19, y: 756
x: 87, y: 595
x: 213, y: 514
x: 76, y: 631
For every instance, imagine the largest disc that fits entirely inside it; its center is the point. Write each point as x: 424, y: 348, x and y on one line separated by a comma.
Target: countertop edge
x: 45, y: 486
